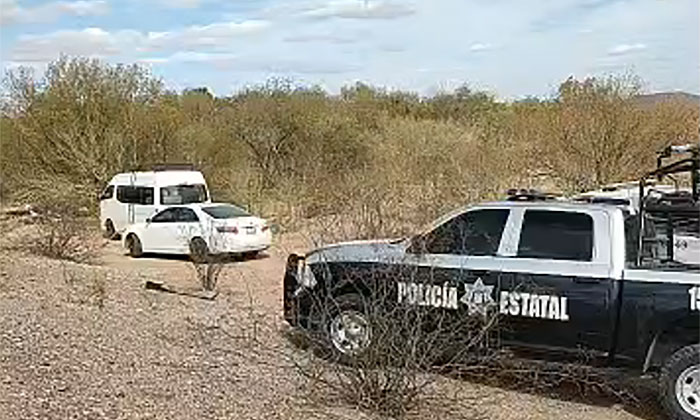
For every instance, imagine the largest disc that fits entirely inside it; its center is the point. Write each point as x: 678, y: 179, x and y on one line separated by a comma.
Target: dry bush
x: 407, y: 345
x: 208, y: 272
x: 64, y: 237
x: 297, y: 153
x: 86, y: 287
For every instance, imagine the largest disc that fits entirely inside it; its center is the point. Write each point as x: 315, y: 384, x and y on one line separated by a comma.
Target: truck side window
x: 135, y: 195
x: 477, y: 232
x: 556, y: 235
x: 107, y: 193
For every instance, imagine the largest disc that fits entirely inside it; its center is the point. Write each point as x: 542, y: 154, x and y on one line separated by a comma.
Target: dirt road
x: 89, y: 342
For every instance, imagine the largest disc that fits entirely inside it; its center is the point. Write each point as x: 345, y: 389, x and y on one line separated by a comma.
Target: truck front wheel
x: 680, y: 384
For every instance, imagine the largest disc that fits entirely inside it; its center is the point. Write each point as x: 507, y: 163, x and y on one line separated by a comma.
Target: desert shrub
x: 294, y: 152
x: 75, y: 126
x: 407, y: 345
x: 85, y: 287
x: 63, y: 237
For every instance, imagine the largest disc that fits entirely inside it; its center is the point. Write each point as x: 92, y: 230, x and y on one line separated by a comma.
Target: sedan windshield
x: 183, y: 194
x: 225, y: 211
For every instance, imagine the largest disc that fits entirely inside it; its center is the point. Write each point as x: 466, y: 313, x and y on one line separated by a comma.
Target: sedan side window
x: 166, y: 216
x: 556, y: 235
x: 477, y: 232
x: 187, y: 215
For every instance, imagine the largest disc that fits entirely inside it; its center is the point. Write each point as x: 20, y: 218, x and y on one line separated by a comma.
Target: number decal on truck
x: 694, y: 293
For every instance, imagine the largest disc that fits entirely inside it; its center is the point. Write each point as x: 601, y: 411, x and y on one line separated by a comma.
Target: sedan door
x: 161, y: 232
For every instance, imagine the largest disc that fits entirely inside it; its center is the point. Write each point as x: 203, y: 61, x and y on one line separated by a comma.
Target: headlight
x: 305, y: 277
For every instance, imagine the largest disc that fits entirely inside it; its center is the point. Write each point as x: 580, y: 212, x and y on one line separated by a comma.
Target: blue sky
x: 512, y: 48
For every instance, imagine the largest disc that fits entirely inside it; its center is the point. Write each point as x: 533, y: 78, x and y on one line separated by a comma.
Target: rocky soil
x: 81, y: 341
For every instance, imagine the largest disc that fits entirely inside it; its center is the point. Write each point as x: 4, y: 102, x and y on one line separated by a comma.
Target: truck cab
x: 563, y: 277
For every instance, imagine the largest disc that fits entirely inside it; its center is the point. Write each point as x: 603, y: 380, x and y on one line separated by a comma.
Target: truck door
x: 453, y: 265
x: 559, y: 294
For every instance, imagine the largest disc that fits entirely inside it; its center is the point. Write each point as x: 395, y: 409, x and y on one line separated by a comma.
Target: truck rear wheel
x: 679, y: 384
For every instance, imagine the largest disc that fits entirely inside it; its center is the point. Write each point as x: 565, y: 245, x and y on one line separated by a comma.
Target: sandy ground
x: 90, y: 342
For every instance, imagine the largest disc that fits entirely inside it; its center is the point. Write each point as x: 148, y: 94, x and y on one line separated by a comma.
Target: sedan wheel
x: 199, y: 251
x: 133, y: 243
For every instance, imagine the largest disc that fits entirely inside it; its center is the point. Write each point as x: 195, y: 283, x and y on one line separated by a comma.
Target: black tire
x: 673, y: 372
x: 326, y: 318
x: 199, y: 251
x: 250, y: 255
x: 133, y: 243
x: 109, y: 232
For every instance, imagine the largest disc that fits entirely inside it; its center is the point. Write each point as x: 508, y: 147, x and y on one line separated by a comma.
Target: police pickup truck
x: 565, y: 276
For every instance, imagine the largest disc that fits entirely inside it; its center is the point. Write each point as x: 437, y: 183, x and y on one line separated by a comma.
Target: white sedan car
x: 199, y: 230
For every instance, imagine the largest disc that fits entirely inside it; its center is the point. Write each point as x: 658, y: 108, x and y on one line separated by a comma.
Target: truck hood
x: 359, y: 251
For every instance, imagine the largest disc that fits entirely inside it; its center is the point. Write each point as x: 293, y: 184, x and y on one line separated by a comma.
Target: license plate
x: 250, y: 230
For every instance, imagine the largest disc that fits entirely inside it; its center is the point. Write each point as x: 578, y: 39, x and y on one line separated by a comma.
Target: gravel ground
x: 90, y: 342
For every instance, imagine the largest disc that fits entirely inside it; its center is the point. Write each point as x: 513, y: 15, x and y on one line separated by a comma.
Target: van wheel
x: 110, y: 232
x: 133, y: 243
x: 199, y: 251
x: 679, y: 384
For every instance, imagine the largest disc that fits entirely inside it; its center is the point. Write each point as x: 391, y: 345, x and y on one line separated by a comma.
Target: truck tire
x: 133, y: 243
x: 679, y: 384
x: 344, y: 327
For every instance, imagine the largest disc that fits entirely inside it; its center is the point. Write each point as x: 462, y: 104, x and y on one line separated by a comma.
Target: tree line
x: 296, y: 152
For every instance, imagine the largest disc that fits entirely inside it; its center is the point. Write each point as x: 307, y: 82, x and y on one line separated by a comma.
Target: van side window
x: 476, y: 232
x: 183, y: 194
x: 556, y: 235
x: 107, y: 193
x: 135, y: 195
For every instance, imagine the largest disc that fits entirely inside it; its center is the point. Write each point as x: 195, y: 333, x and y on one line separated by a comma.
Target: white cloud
x: 92, y: 42
x: 332, y: 38
x: 355, y: 9
x: 626, y: 49
x: 219, y: 34
x: 11, y: 12
x: 181, y: 4
x: 480, y: 47
x: 96, y: 42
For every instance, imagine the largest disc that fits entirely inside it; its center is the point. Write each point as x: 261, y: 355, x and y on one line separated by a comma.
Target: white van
x: 132, y: 197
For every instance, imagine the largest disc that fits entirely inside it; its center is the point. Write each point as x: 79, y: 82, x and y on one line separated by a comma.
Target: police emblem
x: 477, y: 297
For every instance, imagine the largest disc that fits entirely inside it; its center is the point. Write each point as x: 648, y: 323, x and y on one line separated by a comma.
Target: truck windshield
x: 226, y: 211
x: 183, y: 194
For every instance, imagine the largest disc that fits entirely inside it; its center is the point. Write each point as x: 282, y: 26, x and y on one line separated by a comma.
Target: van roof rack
x: 173, y: 167
x: 521, y: 194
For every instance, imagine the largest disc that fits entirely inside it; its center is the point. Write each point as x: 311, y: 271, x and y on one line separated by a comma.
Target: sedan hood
x: 358, y: 251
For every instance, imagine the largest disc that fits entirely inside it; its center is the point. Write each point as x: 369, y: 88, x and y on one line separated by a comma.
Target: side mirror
x: 148, y: 220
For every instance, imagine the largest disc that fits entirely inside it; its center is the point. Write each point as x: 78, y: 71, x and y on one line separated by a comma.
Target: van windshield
x: 226, y: 211
x: 183, y: 194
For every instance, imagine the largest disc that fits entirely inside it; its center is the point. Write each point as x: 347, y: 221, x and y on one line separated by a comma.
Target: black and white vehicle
x: 564, y: 277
